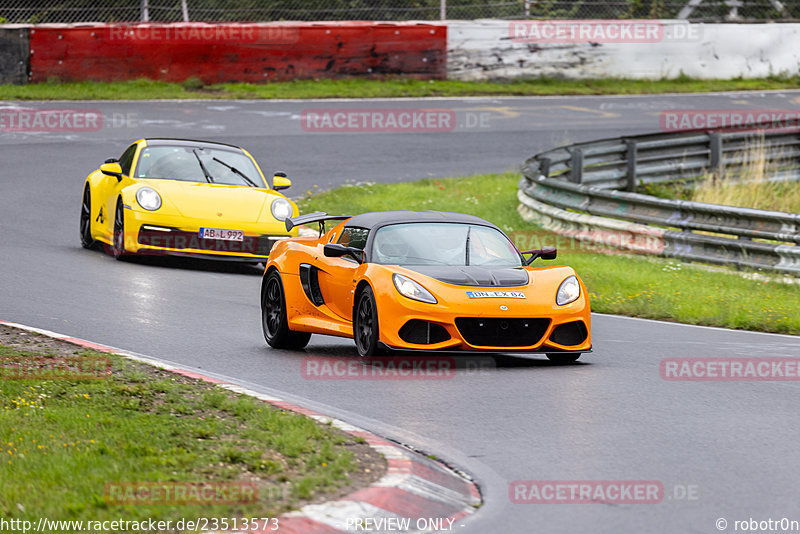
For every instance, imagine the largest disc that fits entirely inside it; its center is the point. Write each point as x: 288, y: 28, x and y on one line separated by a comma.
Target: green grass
x: 745, y: 186
x: 377, y: 88
x: 621, y: 284
x: 758, y: 194
x: 62, y: 441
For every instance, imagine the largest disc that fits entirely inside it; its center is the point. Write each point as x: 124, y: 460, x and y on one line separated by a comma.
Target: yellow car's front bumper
x: 152, y: 233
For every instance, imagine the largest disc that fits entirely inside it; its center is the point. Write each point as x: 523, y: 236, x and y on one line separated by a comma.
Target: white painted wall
x: 484, y: 49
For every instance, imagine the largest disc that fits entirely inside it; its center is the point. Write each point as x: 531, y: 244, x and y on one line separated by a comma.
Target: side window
x: 354, y: 237
x: 126, y: 159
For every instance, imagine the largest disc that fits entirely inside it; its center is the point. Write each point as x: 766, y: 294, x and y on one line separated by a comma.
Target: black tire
x: 273, y: 316
x: 118, y: 239
x: 86, y: 219
x: 563, y: 357
x: 365, y: 324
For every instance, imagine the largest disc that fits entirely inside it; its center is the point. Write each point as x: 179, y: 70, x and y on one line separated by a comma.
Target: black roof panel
x: 377, y: 219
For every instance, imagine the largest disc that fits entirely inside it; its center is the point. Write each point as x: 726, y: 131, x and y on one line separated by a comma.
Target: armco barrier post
x: 544, y: 167
x: 576, y: 166
x: 715, y: 154
x: 631, y: 160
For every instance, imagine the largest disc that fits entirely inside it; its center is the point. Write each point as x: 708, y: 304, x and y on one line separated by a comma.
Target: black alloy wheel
x: 365, y: 324
x: 86, y: 219
x: 273, y: 316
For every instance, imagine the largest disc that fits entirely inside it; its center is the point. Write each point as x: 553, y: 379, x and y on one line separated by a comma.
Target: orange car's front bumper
x: 533, y: 324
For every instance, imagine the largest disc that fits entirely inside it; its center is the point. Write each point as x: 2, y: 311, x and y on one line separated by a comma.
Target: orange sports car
x: 421, y: 280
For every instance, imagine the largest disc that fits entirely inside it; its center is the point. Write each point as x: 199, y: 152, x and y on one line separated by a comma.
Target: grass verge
x: 371, y: 88
x: 747, y: 185
x: 638, y: 286
x: 758, y: 194
x: 83, y: 449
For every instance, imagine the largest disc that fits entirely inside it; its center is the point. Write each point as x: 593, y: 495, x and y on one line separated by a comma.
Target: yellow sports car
x: 183, y: 197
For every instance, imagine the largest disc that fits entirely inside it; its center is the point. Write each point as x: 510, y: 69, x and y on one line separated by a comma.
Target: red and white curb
x: 415, y: 495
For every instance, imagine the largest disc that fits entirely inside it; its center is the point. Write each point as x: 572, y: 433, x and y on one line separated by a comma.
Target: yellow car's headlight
x: 281, y: 208
x: 148, y: 198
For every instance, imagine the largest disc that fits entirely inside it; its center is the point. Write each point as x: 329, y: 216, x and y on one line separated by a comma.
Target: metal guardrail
x: 622, y: 163
x: 597, y: 179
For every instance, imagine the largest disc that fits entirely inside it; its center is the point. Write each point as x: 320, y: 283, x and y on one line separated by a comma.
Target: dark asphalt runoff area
x: 721, y: 450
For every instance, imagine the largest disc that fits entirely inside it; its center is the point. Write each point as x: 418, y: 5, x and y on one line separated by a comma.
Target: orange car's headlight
x: 568, y: 291
x: 411, y: 289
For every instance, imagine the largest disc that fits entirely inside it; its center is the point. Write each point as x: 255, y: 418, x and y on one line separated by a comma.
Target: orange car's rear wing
x: 318, y: 217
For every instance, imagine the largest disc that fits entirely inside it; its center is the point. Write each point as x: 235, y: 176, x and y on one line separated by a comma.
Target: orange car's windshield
x: 443, y: 244
x: 184, y: 163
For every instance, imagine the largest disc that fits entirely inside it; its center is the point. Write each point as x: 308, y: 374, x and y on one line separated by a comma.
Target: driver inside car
x: 392, y: 247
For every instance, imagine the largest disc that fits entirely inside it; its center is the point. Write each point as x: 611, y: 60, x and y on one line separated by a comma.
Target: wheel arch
x: 128, y: 195
x: 93, y: 180
x: 363, y: 283
x: 269, y: 270
x: 92, y: 183
x: 120, y: 252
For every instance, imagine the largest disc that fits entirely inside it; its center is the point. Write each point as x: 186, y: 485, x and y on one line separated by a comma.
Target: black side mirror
x: 546, y: 253
x: 335, y: 250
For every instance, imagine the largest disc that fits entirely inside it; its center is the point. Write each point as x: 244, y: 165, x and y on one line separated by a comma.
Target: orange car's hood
x: 474, y: 275
x: 203, y: 201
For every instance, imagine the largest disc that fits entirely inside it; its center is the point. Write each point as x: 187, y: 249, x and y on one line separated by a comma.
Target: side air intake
x: 309, y: 279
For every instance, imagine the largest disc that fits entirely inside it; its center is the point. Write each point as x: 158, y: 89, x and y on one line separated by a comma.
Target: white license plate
x: 495, y: 294
x: 222, y: 234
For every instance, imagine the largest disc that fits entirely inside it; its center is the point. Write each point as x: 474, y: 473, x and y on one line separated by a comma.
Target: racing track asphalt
x: 610, y: 417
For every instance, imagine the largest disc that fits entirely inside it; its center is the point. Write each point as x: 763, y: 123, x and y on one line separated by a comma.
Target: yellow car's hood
x: 216, y: 201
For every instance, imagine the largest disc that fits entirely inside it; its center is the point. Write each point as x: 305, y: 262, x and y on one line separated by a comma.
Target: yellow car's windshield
x: 443, y: 244
x: 197, y: 164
